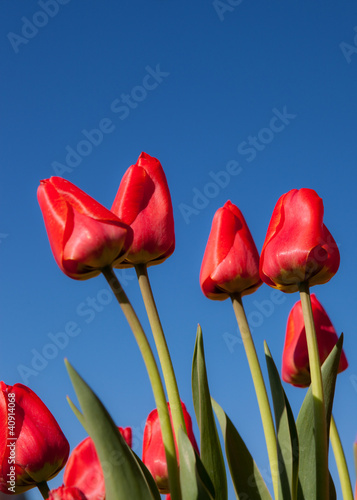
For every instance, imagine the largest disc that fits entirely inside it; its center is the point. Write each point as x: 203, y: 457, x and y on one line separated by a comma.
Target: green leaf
x: 210, y: 446
x: 305, y: 426
x: 148, y: 476
x: 247, y: 480
x: 194, y: 480
x: 123, y: 475
x: 288, y: 445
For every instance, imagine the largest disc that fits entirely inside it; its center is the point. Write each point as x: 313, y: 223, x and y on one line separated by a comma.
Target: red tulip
x: 127, y: 434
x: 295, y: 367
x: 153, y: 447
x: 298, y: 247
x: 84, y: 236
x: 83, y: 468
x: 231, y: 261
x: 143, y: 202
x: 65, y: 493
x: 33, y: 448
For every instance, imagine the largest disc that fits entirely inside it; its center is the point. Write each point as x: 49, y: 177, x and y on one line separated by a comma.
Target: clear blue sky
x: 198, y: 85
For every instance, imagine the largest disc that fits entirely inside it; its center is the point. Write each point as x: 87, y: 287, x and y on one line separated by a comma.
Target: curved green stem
x: 44, y: 489
x: 260, y: 390
x: 155, y: 380
x: 341, y: 463
x: 162, y: 349
x: 321, y: 436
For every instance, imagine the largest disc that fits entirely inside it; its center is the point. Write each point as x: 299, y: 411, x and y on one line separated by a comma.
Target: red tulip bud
x: 153, y: 447
x: 143, y: 202
x: 296, y: 367
x: 64, y: 493
x: 231, y: 261
x: 33, y: 448
x: 298, y: 247
x: 83, y: 468
x: 84, y: 236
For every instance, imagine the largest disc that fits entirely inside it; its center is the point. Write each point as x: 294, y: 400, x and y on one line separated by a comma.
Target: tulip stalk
x: 341, y: 463
x: 155, y: 380
x: 44, y: 489
x: 321, y: 441
x: 260, y: 389
x: 162, y: 348
x: 87, y: 239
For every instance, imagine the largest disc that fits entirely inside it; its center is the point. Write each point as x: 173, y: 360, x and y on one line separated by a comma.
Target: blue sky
x: 262, y: 91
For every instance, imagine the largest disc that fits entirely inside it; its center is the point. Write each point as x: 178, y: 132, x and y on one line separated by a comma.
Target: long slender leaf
x: 247, y: 480
x: 195, y: 482
x: 305, y: 427
x: 124, y: 477
x: 150, y: 480
x: 210, y: 447
x: 288, y: 446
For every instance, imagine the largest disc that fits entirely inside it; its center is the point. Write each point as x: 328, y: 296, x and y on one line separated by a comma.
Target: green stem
x: 260, y: 390
x: 162, y: 349
x: 321, y: 436
x: 155, y: 380
x: 341, y: 463
x: 44, y: 489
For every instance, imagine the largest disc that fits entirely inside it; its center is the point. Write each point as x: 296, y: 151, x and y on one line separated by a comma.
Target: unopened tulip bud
x: 33, y: 448
x: 295, y: 366
x: 231, y: 261
x: 85, y: 237
x: 65, y: 493
x: 143, y: 202
x: 298, y: 247
x: 83, y: 468
x: 153, y: 447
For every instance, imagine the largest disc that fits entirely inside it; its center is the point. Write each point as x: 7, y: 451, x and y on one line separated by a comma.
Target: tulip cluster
x: 88, y: 239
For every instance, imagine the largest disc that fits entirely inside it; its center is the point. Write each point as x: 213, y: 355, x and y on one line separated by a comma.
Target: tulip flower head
x: 153, y: 447
x: 84, y: 236
x: 65, y: 493
x: 33, y: 448
x: 295, y: 365
x: 298, y: 247
x: 231, y: 261
x: 83, y: 469
x: 143, y: 202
